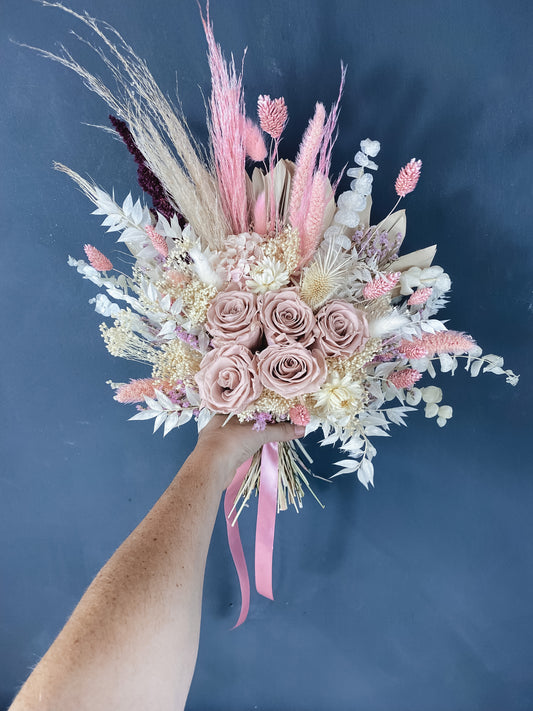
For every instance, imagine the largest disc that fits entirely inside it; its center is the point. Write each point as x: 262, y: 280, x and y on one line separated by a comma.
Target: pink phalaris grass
x: 158, y: 241
x: 272, y: 114
x: 431, y: 344
x: 136, y: 390
x: 408, y: 177
x: 405, y: 378
x: 420, y: 296
x: 299, y: 415
x: 381, y: 286
x: 315, y: 217
x: 96, y: 259
x: 254, y: 142
x: 302, y: 183
x: 260, y: 216
x: 227, y: 129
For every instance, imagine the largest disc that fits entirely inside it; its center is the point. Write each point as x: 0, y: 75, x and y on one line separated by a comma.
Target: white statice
x: 268, y: 275
x: 417, y: 278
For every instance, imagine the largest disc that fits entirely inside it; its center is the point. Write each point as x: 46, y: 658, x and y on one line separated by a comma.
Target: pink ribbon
x: 266, y: 519
x: 234, y: 540
x: 264, y: 533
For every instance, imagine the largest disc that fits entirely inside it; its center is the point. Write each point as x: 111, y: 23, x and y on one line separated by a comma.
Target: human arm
x: 131, y: 643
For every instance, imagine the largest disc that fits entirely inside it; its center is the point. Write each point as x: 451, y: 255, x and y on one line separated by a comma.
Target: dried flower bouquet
x: 265, y: 295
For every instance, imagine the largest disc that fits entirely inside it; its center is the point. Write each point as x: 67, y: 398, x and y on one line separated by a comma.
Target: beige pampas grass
x: 158, y: 128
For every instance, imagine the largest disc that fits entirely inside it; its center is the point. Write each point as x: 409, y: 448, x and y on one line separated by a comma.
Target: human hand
x: 235, y: 442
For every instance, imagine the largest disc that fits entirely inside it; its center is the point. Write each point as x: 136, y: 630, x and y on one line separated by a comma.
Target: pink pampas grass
x: 255, y: 145
x: 405, y: 378
x: 315, y: 216
x: 408, y: 177
x: 158, y: 241
x: 305, y: 164
x: 328, y: 139
x: 378, y: 287
x: 272, y: 114
x: 97, y: 260
x: 227, y: 129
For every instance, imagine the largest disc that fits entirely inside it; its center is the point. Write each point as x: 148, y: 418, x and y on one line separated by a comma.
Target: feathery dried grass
x: 157, y: 126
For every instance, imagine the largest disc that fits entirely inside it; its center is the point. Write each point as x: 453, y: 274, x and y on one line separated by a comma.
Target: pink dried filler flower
x: 272, y: 115
x: 381, y: 286
x: 408, y: 177
x: 299, y: 415
x: 96, y: 259
x: 159, y: 242
x: 405, y: 378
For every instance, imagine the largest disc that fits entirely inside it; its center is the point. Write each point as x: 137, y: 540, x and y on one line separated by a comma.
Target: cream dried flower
x: 322, y: 278
x: 269, y: 275
x: 339, y: 396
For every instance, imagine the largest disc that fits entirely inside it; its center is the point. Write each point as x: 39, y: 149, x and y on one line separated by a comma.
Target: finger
x: 283, y: 432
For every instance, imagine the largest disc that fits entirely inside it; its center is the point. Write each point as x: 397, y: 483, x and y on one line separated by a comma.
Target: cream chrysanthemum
x: 339, y: 396
x: 268, y: 275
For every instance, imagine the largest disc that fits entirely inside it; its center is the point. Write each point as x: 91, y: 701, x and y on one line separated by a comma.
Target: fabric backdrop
x: 415, y: 595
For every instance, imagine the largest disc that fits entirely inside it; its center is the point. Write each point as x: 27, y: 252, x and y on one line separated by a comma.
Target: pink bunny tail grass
x: 408, y: 177
x: 328, y: 139
x: 420, y: 296
x: 97, y: 260
x: 299, y: 415
x: 254, y: 142
x: 158, y: 241
x: 260, y: 216
x: 405, y: 378
x: 431, y: 344
x: 227, y: 129
x: 272, y: 114
x: 136, y: 390
x: 305, y: 165
x: 312, y: 229
x: 378, y: 287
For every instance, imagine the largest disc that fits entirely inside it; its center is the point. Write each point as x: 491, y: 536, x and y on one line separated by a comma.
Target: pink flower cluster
x: 273, y: 341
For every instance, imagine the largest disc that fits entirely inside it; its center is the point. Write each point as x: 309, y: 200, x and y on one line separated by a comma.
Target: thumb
x: 283, y: 432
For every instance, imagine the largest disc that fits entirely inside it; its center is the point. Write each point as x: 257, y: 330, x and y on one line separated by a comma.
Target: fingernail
x: 299, y: 431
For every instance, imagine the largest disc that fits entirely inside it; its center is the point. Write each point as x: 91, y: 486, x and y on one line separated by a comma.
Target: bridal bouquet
x: 262, y: 292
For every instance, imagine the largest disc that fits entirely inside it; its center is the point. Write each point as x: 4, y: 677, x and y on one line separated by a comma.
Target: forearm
x: 132, y: 641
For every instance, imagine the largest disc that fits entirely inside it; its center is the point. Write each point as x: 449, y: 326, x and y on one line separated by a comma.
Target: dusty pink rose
x: 286, y: 318
x: 341, y: 330
x: 291, y: 370
x: 228, y: 380
x: 232, y: 317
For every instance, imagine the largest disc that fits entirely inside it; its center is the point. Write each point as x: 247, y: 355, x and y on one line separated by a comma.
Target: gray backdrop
x: 413, y: 596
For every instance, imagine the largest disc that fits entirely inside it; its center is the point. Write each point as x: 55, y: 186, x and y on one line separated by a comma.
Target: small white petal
x: 431, y: 394
x: 431, y: 409
x: 370, y: 147
x: 445, y: 411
